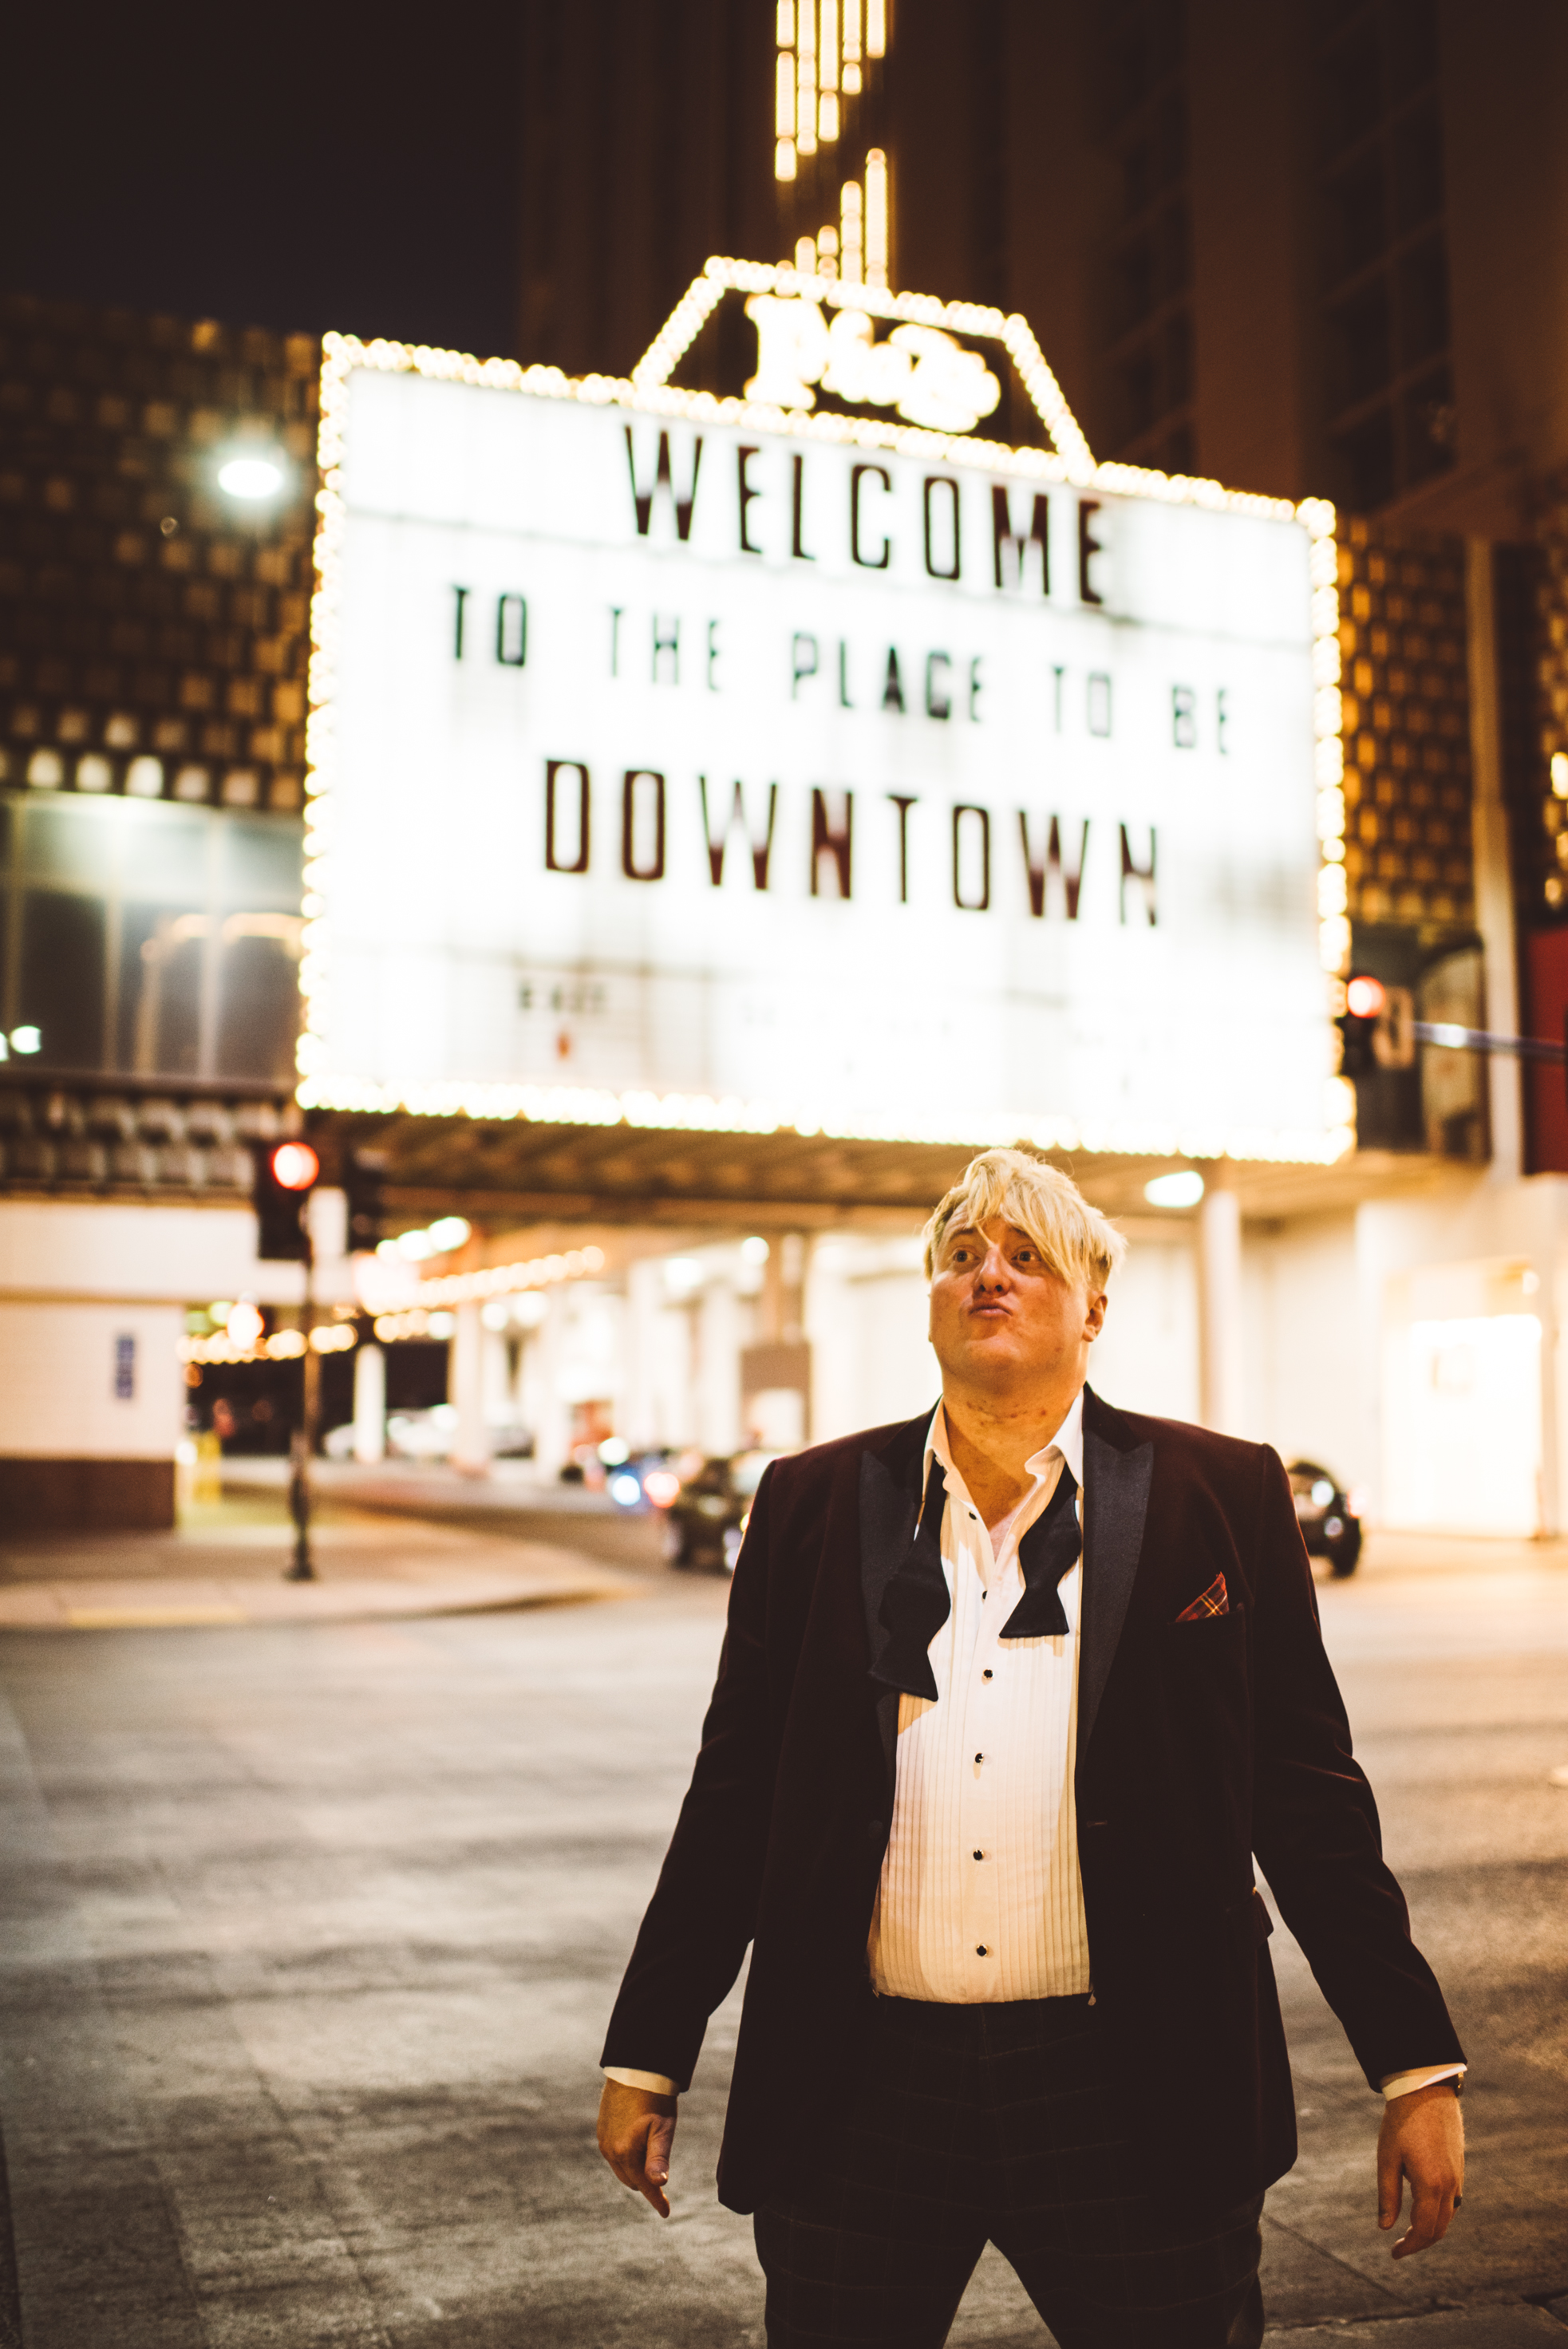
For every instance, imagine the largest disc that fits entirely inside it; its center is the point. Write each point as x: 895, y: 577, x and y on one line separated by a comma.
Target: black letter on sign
x: 1088, y: 544
x: 830, y: 838
x: 971, y: 905
x: 512, y: 631
x: 893, y: 690
x: 858, y: 473
x: 743, y: 460
x: 635, y: 826
x: 943, y: 482
x: 903, y: 806
x: 1003, y: 534
x: 554, y: 862
x: 643, y: 499
x: 1049, y: 872
x: 1143, y: 875
x: 761, y: 850
x: 1183, y: 717
x: 803, y: 660
x: 462, y: 594
x: 1099, y: 703
x: 938, y: 701
x: 795, y: 547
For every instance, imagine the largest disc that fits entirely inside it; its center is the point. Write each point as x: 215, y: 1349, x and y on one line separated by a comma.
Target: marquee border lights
x: 649, y: 392
x: 491, y: 1280
x: 1332, y: 896
x: 283, y: 1346
x: 721, y: 276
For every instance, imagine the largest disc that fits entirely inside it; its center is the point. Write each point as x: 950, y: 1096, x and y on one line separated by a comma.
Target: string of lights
x: 283, y: 1346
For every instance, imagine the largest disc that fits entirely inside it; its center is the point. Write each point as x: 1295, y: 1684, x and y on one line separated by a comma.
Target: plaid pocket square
x: 1215, y: 1600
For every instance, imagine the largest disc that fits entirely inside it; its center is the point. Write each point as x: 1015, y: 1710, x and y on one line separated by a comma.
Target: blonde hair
x: 1020, y: 1185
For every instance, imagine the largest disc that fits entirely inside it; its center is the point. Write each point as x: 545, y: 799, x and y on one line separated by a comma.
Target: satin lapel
x: 890, y: 1511
x: 1115, y: 1502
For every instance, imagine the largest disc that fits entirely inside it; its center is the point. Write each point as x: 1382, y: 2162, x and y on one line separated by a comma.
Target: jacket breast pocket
x: 1207, y: 1702
x: 1219, y: 1634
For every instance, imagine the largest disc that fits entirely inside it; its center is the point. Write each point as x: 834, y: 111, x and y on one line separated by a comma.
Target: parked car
x: 1330, y: 1527
x: 706, y: 1520
x: 644, y: 1480
x: 422, y: 1434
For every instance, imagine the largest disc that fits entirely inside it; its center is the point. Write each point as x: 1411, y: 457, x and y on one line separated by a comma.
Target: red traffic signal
x: 1364, y: 997
x: 285, y: 1175
x: 294, y: 1167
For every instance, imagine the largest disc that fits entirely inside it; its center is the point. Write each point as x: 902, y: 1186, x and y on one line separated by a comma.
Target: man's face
x: 999, y: 1315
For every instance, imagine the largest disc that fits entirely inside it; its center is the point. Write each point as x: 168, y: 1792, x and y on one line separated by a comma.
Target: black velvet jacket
x: 1199, y: 1744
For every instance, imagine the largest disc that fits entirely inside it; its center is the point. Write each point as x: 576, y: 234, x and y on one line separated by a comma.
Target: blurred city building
x: 1305, y: 253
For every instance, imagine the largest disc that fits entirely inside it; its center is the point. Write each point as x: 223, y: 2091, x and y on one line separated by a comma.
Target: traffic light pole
x: 303, y: 1445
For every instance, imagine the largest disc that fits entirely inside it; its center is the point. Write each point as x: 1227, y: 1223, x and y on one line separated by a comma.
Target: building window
x: 1145, y: 326
x: 1387, y: 382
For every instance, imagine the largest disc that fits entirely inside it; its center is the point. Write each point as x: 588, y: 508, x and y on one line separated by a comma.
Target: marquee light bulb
x: 1364, y: 997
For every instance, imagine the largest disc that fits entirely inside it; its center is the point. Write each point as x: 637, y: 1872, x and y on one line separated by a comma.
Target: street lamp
x: 252, y: 479
x: 1183, y: 1188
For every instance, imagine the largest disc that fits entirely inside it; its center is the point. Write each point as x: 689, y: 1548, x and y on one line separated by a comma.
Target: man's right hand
x: 636, y: 2130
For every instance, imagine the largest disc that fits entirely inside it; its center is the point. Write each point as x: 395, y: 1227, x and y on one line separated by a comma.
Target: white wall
x: 871, y: 1361
x: 1145, y: 1357
x: 58, y: 1397
x: 1310, y: 1346
x: 184, y: 1254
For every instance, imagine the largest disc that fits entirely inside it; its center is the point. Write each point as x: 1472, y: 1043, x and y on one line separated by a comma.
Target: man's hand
x: 1423, y: 2139
x: 636, y: 2129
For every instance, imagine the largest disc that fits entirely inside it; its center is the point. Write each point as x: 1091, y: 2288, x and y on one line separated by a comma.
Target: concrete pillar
x: 551, y: 1418
x: 718, y: 1397
x: 465, y: 1391
x: 1493, y: 878
x: 369, y: 1406
x: 1219, y: 1327
x: 644, y: 1309
x: 500, y: 1408
x: 1545, y: 1302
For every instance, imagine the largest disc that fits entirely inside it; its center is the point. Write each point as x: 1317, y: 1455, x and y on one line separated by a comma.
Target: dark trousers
x: 1000, y: 2124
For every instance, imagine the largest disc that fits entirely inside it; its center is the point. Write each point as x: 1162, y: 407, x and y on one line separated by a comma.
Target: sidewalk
x: 1513, y: 2325
x: 225, y: 1564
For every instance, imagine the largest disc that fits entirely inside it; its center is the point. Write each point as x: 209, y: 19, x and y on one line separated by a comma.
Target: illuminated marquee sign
x: 749, y: 763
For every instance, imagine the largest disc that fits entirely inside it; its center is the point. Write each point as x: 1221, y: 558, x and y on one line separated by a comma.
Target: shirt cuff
x: 655, y: 2082
x: 1405, y: 2084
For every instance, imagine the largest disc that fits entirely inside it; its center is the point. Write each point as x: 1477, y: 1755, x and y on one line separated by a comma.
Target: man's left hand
x: 1423, y: 2139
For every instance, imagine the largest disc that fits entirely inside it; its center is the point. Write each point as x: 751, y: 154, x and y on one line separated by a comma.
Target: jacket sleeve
x: 1314, y: 1824
x: 700, y: 1918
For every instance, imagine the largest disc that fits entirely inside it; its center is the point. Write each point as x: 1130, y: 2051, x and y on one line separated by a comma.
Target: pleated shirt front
x: 981, y: 1898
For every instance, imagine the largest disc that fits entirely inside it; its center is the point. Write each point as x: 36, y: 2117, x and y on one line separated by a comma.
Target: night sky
x: 291, y: 167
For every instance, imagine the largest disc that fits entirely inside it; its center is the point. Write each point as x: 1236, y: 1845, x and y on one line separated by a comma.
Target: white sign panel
x: 674, y: 756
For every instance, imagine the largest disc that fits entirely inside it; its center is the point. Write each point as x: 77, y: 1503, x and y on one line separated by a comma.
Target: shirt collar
x: 1068, y: 1441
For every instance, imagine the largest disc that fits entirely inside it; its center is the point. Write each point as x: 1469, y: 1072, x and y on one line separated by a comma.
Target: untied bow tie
x: 917, y: 1601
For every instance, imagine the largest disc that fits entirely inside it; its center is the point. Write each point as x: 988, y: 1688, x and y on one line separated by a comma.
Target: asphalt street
x: 310, y: 1932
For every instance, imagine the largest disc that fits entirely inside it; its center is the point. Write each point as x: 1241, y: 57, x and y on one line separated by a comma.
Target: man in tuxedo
x: 1010, y: 1695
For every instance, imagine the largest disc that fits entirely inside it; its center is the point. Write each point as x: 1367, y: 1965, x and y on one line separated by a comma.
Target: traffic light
x: 1377, y: 1027
x: 363, y: 1178
x: 1364, y: 1001
x: 285, y: 1175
